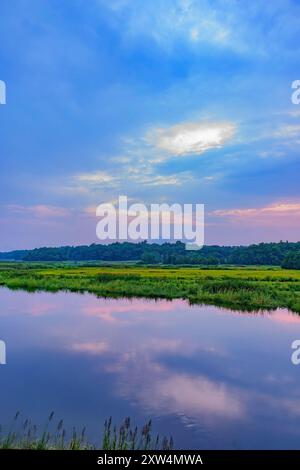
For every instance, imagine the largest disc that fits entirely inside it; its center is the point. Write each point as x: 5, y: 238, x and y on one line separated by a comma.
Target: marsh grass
x: 127, y: 438
x: 238, y: 288
x: 26, y: 435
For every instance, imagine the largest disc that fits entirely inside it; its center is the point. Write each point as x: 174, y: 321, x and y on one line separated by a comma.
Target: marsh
x: 211, y: 377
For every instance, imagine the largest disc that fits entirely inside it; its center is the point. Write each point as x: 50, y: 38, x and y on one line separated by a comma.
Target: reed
x: 26, y: 435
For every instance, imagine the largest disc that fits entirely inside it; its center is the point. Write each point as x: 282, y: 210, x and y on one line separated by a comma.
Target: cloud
x: 271, y: 154
x: 90, y: 183
x: 196, y: 24
x: 42, y: 211
x: 139, y: 163
x: 96, y: 177
x: 195, y: 395
x: 283, y: 316
x: 166, y: 180
x: 294, y: 113
x: 278, y: 215
x: 288, y: 131
x: 114, y: 311
x: 193, y: 22
x: 97, y: 348
x: 279, y: 208
x: 167, y: 392
x: 192, y: 138
x: 137, y: 173
x: 166, y: 21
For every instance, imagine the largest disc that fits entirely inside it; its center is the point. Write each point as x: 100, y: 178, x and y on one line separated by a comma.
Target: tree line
x: 283, y: 254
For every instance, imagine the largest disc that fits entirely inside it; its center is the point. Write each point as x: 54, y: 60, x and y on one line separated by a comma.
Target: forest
x: 284, y: 254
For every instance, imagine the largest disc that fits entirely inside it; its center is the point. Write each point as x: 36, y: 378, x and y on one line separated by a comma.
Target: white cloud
x: 272, y: 154
x: 294, y: 113
x: 96, y: 177
x: 152, y: 179
x: 221, y: 24
x: 134, y: 171
x: 192, y: 137
x: 289, y: 131
x: 199, y: 395
x: 138, y: 165
x: 92, y: 182
x: 165, y: 21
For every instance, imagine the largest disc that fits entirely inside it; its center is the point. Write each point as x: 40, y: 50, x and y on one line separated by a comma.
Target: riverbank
x: 242, y: 288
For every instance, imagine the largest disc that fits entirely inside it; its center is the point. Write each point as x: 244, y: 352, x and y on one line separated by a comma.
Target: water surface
x: 211, y: 377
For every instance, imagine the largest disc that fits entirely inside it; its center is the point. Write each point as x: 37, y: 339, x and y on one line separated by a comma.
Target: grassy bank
x: 53, y: 436
x: 244, y: 288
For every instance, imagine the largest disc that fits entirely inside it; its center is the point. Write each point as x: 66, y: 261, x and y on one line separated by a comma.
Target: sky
x: 177, y: 101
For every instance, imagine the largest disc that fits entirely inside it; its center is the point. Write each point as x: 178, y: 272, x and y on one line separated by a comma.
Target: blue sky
x: 164, y: 101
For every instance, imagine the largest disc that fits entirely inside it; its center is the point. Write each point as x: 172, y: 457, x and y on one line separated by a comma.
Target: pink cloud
x: 112, y: 308
x: 283, y: 316
x: 39, y: 210
x: 277, y: 208
x: 96, y: 348
x: 269, y: 215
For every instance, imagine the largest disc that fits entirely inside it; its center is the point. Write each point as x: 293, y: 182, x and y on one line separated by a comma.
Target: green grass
x: 242, y: 288
x: 53, y: 436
